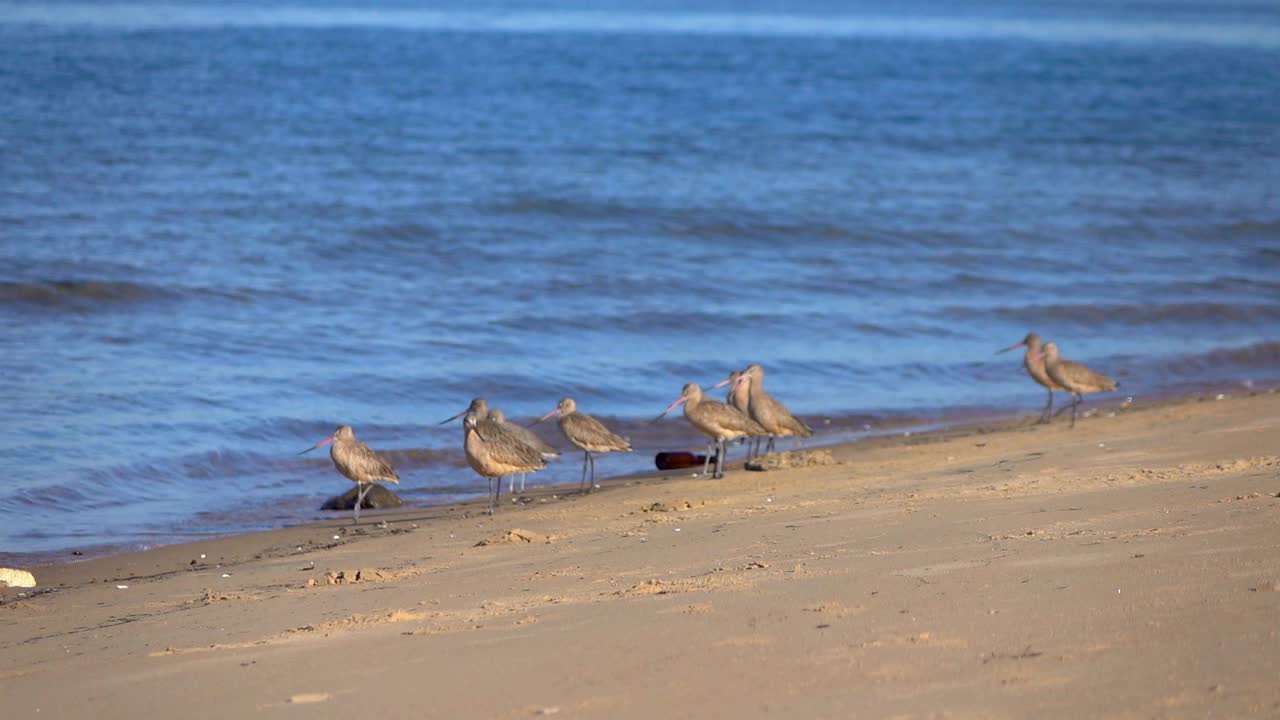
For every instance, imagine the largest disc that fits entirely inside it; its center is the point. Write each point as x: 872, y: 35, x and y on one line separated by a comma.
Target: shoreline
x: 962, y: 420
x: 1124, y: 568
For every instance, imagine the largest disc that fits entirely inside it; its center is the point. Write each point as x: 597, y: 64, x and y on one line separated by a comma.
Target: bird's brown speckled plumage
x: 768, y: 411
x: 525, y: 435
x: 587, y: 432
x: 1074, y: 377
x: 589, y: 435
x: 718, y: 421
x: 357, y: 461
x: 715, y: 419
x: 1033, y: 360
x: 494, y: 452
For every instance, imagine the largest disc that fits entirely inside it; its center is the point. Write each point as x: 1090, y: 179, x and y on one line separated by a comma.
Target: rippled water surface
x: 226, y: 228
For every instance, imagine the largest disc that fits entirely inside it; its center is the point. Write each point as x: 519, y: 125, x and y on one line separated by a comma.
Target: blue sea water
x: 226, y: 228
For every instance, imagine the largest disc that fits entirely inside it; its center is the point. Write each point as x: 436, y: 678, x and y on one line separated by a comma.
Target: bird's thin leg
x: 362, y: 491
x: 720, y: 453
x: 522, y: 477
x: 1074, y: 407
x: 356, y: 510
x: 592, y: 486
x: 1048, y: 408
x: 491, y: 493
x: 706, y: 460
x: 769, y: 448
x: 582, y: 484
x: 512, y: 487
x: 497, y: 495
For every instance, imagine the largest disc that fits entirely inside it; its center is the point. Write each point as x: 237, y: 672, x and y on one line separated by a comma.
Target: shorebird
x: 479, y: 406
x: 494, y: 452
x: 357, y: 462
x: 1074, y: 377
x: 739, y: 398
x: 1034, y: 361
x: 587, y: 434
x: 719, y: 422
x: 528, y: 437
x: 766, y: 410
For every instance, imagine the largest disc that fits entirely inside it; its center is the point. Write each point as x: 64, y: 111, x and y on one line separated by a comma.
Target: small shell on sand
x: 17, y: 578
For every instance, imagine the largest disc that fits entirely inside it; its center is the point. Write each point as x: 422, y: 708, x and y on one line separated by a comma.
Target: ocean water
x: 227, y: 228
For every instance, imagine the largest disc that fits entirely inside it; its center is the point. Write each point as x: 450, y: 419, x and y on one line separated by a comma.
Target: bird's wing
x: 1086, y: 377
x: 593, y: 432
x: 532, y: 439
x: 364, y: 462
x: 507, y: 447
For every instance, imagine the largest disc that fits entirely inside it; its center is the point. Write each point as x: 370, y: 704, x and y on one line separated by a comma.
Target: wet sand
x: 1128, y: 568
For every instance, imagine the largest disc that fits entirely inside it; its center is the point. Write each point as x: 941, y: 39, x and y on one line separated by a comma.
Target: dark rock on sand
x: 377, y: 497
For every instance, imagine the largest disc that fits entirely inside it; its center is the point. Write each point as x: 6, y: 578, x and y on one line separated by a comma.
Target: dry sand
x: 1129, y: 568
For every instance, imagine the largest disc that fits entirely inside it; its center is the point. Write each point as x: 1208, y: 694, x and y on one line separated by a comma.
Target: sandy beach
x: 1125, y: 569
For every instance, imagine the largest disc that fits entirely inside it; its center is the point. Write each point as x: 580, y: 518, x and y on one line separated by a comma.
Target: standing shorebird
x: 719, y: 422
x: 1074, y: 377
x: 494, y: 452
x: 587, y: 434
x: 357, y: 462
x: 766, y: 410
x: 1034, y: 361
x: 528, y: 437
x: 739, y: 398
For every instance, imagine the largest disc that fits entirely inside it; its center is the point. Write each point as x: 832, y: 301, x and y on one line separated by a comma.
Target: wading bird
x: 740, y: 399
x: 357, y: 462
x: 768, y: 411
x: 587, y: 434
x: 719, y: 422
x: 1033, y: 359
x: 494, y: 452
x: 528, y: 437
x: 1074, y: 377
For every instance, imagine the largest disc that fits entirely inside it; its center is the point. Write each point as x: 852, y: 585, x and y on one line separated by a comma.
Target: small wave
x: 580, y: 208
x: 86, y: 293
x: 424, y: 457
x: 1260, y: 356
x: 971, y: 281
x: 1101, y: 315
x: 1255, y: 228
x: 94, y: 295
x: 397, y: 231
x: 760, y: 229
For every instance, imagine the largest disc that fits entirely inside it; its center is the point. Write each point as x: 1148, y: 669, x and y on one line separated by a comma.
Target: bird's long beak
x: 320, y: 444
x: 722, y: 383
x: 551, y: 414
x: 455, y: 417
x: 670, y: 407
x: 1014, y: 346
